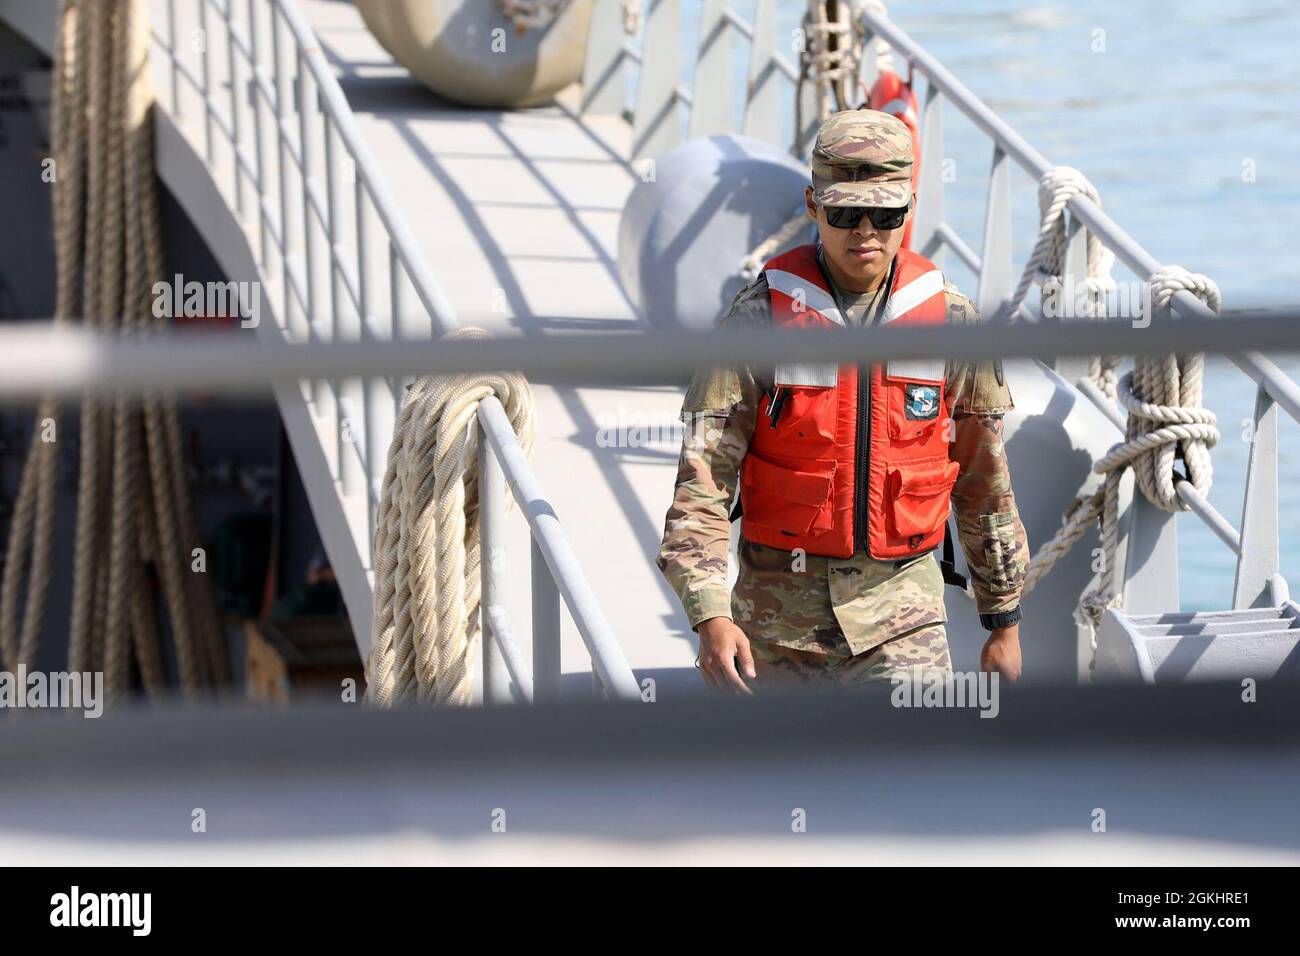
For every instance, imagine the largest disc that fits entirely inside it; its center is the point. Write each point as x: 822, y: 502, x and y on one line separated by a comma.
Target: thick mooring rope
x: 134, y: 508
x: 426, y: 550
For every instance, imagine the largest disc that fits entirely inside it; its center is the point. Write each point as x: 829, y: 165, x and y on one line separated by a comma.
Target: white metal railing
x: 281, y: 142
x: 331, y: 239
x: 556, y: 575
x: 662, y: 103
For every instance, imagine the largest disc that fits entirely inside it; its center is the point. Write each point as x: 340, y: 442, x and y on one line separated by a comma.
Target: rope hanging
x: 832, y: 54
x: 426, y: 550
x: 1046, y: 261
x: 134, y: 508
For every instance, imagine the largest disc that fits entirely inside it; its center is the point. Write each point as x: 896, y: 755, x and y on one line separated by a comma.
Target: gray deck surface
x: 518, y: 215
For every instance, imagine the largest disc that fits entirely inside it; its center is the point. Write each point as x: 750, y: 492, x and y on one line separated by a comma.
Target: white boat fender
x: 471, y: 52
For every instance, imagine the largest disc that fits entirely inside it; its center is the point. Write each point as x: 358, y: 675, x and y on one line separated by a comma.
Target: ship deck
x: 517, y: 213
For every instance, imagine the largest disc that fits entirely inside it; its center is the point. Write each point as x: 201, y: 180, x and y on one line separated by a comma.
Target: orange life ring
x: 893, y: 95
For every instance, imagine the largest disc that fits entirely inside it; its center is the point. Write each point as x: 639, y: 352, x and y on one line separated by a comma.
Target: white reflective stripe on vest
x: 928, y: 370
x: 907, y: 298
x: 903, y: 301
x: 801, y: 290
x: 806, y: 374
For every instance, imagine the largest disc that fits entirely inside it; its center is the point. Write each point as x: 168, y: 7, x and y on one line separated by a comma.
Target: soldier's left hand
x: 1001, y: 653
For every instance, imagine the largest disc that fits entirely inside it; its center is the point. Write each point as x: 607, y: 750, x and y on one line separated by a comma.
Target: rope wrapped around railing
x: 426, y: 623
x: 1166, y: 422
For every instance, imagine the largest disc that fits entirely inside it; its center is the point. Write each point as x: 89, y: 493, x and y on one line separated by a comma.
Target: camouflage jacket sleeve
x: 988, y: 523
x: 718, y: 414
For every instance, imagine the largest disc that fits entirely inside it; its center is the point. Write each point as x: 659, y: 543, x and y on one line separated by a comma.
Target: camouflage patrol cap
x: 862, y: 158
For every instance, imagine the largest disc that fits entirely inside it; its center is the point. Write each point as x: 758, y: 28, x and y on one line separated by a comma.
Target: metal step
x: 1206, y: 645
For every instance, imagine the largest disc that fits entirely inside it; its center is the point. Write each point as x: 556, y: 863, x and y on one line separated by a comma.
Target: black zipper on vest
x: 861, y: 453
x: 862, y: 443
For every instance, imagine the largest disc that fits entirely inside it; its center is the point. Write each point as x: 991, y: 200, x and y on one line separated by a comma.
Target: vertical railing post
x: 546, y: 629
x: 380, y: 418
x: 995, y: 262
x: 868, y: 69
x: 604, y: 73
x: 205, y: 76
x: 711, y: 109
x: 175, y: 54
x: 398, y: 318
x: 254, y: 86
x: 929, y: 190
x: 375, y: 397
x: 310, y: 244
x: 353, y: 392
x: 336, y: 291
x: 1064, y: 301
x: 763, y: 91
x: 491, y: 499
x: 1259, y: 559
x: 236, y: 130
x: 656, y: 126
x: 282, y: 83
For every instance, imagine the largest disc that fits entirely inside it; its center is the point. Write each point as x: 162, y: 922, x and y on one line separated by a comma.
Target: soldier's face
x: 859, y: 257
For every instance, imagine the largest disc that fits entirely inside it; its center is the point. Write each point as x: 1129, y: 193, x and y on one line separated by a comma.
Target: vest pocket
x: 805, y: 425
x: 920, y: 492
x: 796, y: 499
x: 916, y: 407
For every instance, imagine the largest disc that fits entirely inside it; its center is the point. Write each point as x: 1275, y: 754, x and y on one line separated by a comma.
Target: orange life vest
x: 832, y: 468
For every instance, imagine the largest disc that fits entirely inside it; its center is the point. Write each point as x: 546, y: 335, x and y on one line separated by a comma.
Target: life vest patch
x: 920, y: 402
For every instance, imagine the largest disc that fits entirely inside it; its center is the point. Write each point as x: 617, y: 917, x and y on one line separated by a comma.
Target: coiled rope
x: 427, y: 588
x: 134, y: 508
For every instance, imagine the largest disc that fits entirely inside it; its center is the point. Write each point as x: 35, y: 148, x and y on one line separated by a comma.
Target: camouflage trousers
x: 778, y: 666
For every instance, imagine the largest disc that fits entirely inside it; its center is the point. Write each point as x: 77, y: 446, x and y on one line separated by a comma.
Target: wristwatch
x: 1002, y: 619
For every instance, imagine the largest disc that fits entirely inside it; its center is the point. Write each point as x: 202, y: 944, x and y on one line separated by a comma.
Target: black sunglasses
x: 882, y: 217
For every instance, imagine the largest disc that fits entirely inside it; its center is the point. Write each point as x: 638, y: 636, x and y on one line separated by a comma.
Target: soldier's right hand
x: 721, y: 644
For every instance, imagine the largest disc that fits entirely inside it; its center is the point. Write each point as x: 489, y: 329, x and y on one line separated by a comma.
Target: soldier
x: 845, y: 479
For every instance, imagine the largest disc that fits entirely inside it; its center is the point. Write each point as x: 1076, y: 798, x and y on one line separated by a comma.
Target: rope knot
x: 1165, y: 283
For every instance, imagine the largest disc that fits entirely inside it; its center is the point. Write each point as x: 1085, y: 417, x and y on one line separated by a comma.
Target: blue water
x: 1186, y: 122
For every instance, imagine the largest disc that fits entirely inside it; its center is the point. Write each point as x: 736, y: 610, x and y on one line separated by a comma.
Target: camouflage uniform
x: 818, y: 618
